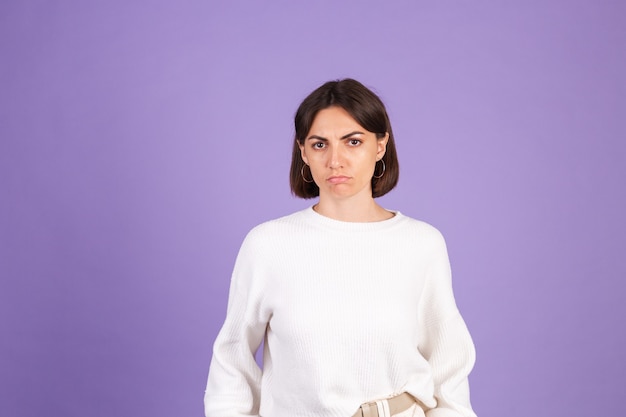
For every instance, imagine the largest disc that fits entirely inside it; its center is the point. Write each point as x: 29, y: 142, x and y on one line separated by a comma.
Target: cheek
x: 314, y: 157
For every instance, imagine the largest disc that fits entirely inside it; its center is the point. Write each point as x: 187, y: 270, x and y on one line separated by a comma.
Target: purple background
x: 140, y: 141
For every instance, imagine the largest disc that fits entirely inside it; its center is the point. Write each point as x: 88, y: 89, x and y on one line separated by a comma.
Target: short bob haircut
x: 368, y: 111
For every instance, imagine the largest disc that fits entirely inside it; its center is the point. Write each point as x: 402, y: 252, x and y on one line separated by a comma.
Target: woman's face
x: 341, y: 154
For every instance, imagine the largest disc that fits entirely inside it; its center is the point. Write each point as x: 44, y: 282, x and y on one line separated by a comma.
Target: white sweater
x: 350, y: 313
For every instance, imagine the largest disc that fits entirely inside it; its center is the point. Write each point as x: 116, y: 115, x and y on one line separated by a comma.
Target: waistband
x: 387, y: 407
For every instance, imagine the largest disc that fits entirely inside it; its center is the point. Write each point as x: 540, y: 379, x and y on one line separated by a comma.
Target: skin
x: 342, y: 156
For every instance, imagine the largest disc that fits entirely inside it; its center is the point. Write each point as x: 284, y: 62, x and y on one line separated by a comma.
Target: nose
x: 335, y: 157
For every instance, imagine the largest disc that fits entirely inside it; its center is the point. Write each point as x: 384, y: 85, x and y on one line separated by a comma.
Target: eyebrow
x: 356, y: 132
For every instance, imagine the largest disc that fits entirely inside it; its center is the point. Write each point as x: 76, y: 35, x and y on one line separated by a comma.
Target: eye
x: 354, y: 142
x: 318, y: 145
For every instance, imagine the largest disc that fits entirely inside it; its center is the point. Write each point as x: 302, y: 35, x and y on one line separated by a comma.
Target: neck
x: 350, y: 210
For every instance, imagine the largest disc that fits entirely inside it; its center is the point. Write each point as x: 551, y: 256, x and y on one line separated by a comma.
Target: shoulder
x: 276, y: 230
x: 421, y: 229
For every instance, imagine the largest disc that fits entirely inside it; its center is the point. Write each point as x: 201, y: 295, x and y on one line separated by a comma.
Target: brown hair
x: 368, y: 111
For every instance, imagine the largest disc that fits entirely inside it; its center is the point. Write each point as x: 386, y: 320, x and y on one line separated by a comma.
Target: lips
x: 338, y: 179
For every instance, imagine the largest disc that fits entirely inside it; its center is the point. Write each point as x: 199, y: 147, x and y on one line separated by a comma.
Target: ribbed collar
x: 314, y: 217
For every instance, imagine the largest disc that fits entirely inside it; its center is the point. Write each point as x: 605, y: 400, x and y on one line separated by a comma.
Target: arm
x: 447, y: 344
x: 234, y: 382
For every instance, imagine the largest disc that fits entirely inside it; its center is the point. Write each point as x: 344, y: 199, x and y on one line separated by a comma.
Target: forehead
x: 334, y: 118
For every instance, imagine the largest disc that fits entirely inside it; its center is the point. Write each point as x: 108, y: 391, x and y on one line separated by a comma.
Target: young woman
x: 354, y: 302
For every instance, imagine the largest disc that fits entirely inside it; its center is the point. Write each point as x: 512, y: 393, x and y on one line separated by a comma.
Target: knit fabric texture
x: 349, y: 313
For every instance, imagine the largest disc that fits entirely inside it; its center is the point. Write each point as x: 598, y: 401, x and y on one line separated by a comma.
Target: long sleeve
x: 447, y: 344
x: 233, y: 386
x: 349, y: 313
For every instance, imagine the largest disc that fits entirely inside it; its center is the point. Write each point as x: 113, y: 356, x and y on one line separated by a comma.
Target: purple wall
x: 139, y: 141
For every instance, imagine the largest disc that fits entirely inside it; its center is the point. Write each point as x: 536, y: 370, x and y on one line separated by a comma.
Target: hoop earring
x: 302, y: 173
x: 382, y: 172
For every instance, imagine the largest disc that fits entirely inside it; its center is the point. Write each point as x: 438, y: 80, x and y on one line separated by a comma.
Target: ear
x: 382, y: 146
x: 303, y: 154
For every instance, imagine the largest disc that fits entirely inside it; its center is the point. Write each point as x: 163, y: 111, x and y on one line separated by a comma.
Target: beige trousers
x: 413, y: 411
